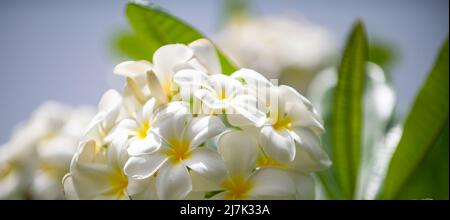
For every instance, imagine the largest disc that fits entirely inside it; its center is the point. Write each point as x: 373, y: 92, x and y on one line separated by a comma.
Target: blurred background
x: 64, y: 50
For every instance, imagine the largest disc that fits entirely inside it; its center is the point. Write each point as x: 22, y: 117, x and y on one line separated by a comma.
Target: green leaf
x: 132, y: 46
x: 159, y: 28
x: 431, y: 178
x: 347, y: 111
x: 423, y: 127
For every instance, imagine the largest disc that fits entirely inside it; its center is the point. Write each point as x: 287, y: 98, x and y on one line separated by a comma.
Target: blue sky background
x: 61, y: 50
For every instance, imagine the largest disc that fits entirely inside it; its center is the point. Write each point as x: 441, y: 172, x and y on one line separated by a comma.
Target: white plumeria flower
x: 104, y: 121
x: 183, y: 135
x: 244, y: 180
x: 290, y: 43
x: 292, y: 121
x: 138, y: 128
x: 220, y: 93
x: 145, y: 79
x: 99, y: 175
x: 40, y: 150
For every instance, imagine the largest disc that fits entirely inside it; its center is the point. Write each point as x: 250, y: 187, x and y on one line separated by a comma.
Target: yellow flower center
x: 179, y: 150
x: 266, y: 161
x: 237, y: 188
x: 48, y: 137
x: 222, y: 94
x: 5, y: 170
x: 120, y: 183
x: 142, y: 131
x: 283, y: 123
x: 48, y: 168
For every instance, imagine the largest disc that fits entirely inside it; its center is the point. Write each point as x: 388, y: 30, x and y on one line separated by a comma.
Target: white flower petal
x: 171, y: 121
x: 269, y: 182
x: 305, y: 186
x: 206, y: 54
x: 133, y: 69
x: 110, y: 99
x: 200, y: 129
x: 247, y: 106
x: 210, y: 99
x: 144, y: 166
x: 189, y: 77
x: 142, y: 189
x: 167, y: 58
x: 207, y: 163
x: 173, y: 181
x: 311, y: 155
x: 239, y: 151
x: 69, y: 190
x: 156, y: 88
x: 279, y: 145
x: 202, y: 184
x: 251, y: 78
x: 116, y: 153
x: 148, y: 145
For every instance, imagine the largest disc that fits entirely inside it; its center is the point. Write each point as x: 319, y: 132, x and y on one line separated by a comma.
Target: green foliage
x: 423, y: 128
x: 155, y: 28
x: 347, y: 111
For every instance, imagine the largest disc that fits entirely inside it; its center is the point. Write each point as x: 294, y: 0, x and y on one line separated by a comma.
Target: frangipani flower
x: 99, y: 174
x: 293, y: 121
x: 220, y: 93
x: 145, y: 79
x: 244, y: 179
x: 290, y: 43
x: 183, y: 135
x: 138, y: 129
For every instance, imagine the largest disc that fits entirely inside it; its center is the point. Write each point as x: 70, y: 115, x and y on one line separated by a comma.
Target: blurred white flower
x: 272, y: 45
x: 40, y: 150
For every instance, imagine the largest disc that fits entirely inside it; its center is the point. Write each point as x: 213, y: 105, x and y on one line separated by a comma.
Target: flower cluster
x: 38, y: 155
x: 182, y: 130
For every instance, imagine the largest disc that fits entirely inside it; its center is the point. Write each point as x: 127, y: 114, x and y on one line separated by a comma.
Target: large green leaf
x: 132, y: 46
x: 159, y: 28
x: 423, y: 127
x: 347, y: 111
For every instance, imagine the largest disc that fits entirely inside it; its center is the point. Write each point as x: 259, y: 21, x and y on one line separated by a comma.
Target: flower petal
x: 69, y: 190
x: 189, y: 77
x: 279, y: 145
x: 206, y: 54
x: 200, y: 129
x: 247, y: 106
x: 239, y: 151
x: 142, y: 189
x: 207, y: 163
x: 304, y: 185
x: 270, y: 182
x: 155, y: 86
x: 170, y: 121
x: 109, y: 100
x: 148, y: 145
x: 202, y: 184
x: 133, y: 69
x: 311, y: 155
x: 167, y: 58
x: 144, y: 166
x: 173, y: 181
x: 210, y: 99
